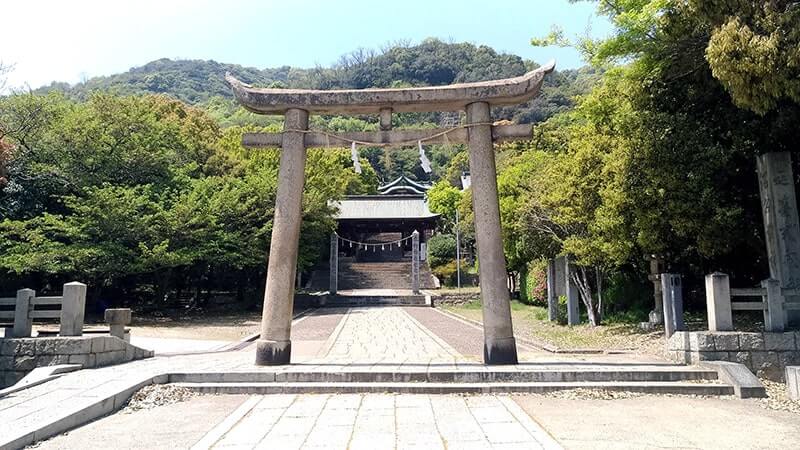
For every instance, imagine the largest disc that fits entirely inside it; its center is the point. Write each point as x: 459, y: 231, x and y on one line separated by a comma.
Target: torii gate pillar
x: 499, y: 346
x: 274, y: 347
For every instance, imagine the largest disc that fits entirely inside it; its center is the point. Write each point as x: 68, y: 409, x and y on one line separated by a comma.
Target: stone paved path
x: 387, y: 335
x: 377, y: 421
x: 388, y: 339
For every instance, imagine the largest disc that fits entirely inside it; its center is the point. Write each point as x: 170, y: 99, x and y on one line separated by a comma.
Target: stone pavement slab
x: 377, y: 421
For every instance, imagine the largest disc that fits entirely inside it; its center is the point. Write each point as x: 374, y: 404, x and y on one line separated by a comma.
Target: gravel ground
x: 156, y: 395
x: 778, y: 398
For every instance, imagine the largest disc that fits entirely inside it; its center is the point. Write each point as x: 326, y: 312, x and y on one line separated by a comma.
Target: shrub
x: 441, y: 250
x: 533, y: 285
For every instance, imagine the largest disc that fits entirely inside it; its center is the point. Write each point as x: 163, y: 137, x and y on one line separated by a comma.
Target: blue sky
x: 71, y: 40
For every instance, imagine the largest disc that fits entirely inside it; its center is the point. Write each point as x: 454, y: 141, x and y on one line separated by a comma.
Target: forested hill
x: 431, y: 62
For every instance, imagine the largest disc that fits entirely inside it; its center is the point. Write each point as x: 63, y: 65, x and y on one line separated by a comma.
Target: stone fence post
x: 552, y: 294
x: 117, y: 318
x: 774, y: 314
x: 415, y: 262
x: 672, y: 290
x: 23, y: 324
x: 573, y: 311
x: 334, y: 265
x: 718, y: 302
x: 73, y: 305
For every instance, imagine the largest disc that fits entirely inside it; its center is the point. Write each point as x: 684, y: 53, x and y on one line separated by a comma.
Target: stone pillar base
x: 500, y: 351
x: 273, y: 353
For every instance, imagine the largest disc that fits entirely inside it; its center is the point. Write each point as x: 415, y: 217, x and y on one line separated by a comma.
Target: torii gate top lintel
x: 454, y: 97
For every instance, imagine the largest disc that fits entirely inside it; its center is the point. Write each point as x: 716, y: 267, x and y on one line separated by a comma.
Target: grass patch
x: 530, y: 321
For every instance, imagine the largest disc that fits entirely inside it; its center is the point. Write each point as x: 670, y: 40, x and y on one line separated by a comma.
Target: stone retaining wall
x: 456, y: 299
x: 20, y: 356
x: 765, y: 354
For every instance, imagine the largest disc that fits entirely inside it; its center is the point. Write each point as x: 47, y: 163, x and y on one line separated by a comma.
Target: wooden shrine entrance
x: 476, y: 99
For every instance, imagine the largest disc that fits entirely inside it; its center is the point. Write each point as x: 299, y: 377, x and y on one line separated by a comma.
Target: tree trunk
x: 599, y: 280
x: 581, y: 280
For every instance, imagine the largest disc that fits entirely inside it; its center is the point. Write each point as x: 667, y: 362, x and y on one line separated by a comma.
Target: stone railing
x: 770, y: 298
x: 72, y: 303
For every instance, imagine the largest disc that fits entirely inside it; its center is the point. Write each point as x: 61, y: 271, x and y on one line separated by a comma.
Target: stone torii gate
x: 274, y: 345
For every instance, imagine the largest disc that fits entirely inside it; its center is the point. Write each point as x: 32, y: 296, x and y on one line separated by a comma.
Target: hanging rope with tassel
x: 354, y: 157
x: 423, y: 159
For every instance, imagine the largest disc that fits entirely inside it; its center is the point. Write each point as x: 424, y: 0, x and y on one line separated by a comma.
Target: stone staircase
x: 655, y: 380
x: 381, y: 275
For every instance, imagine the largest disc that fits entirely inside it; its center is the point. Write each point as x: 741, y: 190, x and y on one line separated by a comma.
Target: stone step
x: 449, y: 376
x: 647, y: 387
x: 352, y: 300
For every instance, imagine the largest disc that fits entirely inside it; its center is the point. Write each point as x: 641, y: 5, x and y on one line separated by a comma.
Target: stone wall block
x: 791, y: 358
x: 83, y: 360
x: 742, y: 358
x: 114, y: 344
x: 25, y: 363
x: 130, y: 353
x: 59, y: 359
x: 8, y: 347
x: 6, y: 363
x: 751, y: 341
x: 779, y: 341
x: 679, y: 341
x: 98, y: 345
x: 726, y: 341
x: 44, y: 346
x: 76, y: 346
x: 701, y: 342
x: 712, y: 356
x: 109, y: 358
x: 26, y: 347
x: 767, y: 365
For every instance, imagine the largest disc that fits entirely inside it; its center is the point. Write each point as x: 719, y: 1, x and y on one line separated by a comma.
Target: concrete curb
x: 40, y: 375
x: 745, y: 384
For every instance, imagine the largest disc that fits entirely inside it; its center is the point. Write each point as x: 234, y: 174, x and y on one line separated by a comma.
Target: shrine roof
x: 404, y: 184
x: 378, y: 207
x: 454, y: 97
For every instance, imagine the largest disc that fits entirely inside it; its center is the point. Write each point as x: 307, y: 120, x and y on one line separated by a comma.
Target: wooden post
x: 718, y: 302
x: 23, y: 324
x: 73, y: 305
x: 774, y: 314
x: 274, y: 346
